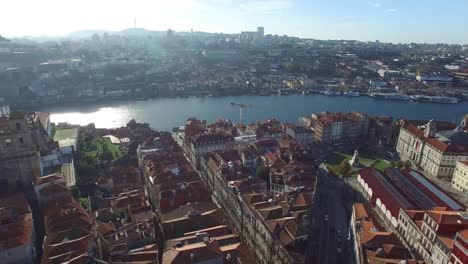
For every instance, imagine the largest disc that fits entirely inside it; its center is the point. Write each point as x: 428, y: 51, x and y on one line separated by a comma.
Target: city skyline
x: 387, y: 21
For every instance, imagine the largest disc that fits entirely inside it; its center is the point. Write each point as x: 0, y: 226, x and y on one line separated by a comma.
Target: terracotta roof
x: 383, y: 189
x: 274, y: 160
x: 414, y: 130
x: 50, y: 178
x: 16, y: 234
x: 463, y: 234
x: 377, y: 239
x: 106, y: 228
x: 199, y: 252
x: 359, y: 211
x: 212, y: 231
x: 415, y: 215
x: 238, y: 251
x: 54, y: 189
x: 81, y: 245
x: 188, y: 208
x: 447, y: 217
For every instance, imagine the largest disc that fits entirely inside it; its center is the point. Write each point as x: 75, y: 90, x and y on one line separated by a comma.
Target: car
x: 325, y: 218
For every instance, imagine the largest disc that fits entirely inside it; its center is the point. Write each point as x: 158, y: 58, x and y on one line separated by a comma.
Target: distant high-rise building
x: 261, y: 32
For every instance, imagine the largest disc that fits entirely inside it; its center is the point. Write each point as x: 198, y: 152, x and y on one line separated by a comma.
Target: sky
x: 432, y: 21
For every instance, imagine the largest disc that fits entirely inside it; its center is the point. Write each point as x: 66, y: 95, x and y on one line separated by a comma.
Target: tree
x: 408, y: 164
x: 344, y: 168
x: 392, y: 164
x: 399, y: 165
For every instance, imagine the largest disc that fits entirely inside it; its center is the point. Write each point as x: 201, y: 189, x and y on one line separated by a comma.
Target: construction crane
x: 241, y: 110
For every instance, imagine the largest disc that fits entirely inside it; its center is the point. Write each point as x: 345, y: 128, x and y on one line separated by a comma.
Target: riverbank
x: 166, y: 113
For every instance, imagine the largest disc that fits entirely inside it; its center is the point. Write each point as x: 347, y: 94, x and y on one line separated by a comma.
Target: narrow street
x: 328, y: 241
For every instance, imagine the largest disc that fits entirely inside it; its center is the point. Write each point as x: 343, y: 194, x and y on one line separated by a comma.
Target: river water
x: 166, y: 113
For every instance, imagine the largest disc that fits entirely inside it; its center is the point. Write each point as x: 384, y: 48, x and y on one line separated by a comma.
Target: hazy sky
x: 385, y: 20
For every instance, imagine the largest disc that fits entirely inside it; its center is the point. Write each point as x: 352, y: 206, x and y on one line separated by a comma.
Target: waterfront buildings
x: 432, y: 149
x: 301, y: 134
x: 460, y: 176
x: 201, y: 138
x: 338, y: 127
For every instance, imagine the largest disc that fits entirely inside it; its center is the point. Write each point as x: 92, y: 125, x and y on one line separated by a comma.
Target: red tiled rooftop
x: 49, y: 178
x: 447, y: 217
x: 200, y: 251
x: 385, y: 191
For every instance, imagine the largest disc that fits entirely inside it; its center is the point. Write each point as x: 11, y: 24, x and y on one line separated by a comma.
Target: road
x: 330, y: 218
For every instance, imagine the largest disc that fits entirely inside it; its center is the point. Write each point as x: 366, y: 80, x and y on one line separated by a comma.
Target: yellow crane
x: 241, y: 110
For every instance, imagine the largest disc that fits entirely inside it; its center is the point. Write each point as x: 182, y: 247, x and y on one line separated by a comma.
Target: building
x: 409, y: 228
x: 459, y: 250
x: 219, y: 244
x: 381, y: 129
x: 17, y: 235
x: 302, y: 135
x: 69, y: 229
x: 269, y: 129
x: 4, y: 110
x: 372, y: 243
x: 253, y: 35
x: 435, y: 78
x: 438, y: 229
x: 275, y: 225
x: 460, y: 176
x: 383, y: 195
x: 20, y: 161
x: 394, y: 190
x: 201, y: 138
x: 24, y: 139
x: 431, y: 149
x: 291, y: 177
x: 338, y: 127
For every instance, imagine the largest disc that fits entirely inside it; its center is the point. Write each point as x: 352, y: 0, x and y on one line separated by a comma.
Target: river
x: 166, y: 113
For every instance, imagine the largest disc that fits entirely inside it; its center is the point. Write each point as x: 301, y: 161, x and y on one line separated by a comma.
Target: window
x: 21, y: 140
x: 18, y: 126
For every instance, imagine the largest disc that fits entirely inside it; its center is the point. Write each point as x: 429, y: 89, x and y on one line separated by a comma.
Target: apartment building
x: 338, y: 127
x: 433, y: 150
x: 460, y: 176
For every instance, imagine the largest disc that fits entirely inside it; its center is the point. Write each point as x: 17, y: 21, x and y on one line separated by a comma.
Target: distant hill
x: 134, y: 32
x: 2, y: 39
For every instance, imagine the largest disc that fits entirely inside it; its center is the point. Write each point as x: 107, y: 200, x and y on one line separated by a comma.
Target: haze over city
x: 233, y: 132
x: 403, y: 21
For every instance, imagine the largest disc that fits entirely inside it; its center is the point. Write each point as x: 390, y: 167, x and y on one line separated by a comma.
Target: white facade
x: 380, y: 207
x: 408, y: 230
x: 460, y: 177
x: 4, y: 111
x: 426, y: 156
x: 337, y: 131
x: 439, y: 256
